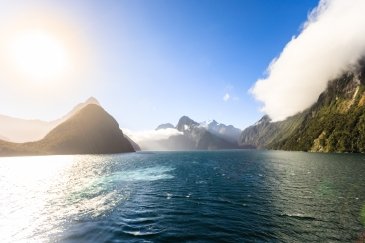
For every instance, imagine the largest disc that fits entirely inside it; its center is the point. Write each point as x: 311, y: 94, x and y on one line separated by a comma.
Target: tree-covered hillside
x: 335, y: 123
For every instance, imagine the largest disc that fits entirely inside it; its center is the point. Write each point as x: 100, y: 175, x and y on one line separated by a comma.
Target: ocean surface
x: 224, y: 196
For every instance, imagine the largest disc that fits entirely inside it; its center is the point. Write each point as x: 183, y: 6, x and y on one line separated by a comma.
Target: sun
x: 38, y: 55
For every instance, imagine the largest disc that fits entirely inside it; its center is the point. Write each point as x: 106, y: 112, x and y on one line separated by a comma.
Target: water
x: 226, y: 196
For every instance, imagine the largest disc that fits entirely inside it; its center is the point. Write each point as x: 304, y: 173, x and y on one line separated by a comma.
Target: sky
x: 147, y: 62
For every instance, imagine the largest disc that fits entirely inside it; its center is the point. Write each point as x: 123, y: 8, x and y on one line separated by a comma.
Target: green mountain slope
x: 265, y: 132
x: 335, y: 123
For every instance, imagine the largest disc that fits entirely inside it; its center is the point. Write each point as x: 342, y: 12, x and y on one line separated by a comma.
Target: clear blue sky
x: 156, y: 60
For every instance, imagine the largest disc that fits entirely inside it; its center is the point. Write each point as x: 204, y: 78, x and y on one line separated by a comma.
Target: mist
x: 152, y: 139
x: 331, y: 42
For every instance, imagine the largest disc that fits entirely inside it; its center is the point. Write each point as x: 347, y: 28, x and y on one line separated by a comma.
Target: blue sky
x: 156, y: 60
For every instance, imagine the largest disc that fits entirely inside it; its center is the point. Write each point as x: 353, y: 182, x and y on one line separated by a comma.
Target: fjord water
x: 224, y: 196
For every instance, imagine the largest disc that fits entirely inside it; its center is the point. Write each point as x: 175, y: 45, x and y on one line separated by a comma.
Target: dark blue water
x: 226, y: 196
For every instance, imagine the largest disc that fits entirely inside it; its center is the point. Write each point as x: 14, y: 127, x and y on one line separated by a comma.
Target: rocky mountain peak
x: 185, y: 123
x: 264, y: 119
x: 92, y: 100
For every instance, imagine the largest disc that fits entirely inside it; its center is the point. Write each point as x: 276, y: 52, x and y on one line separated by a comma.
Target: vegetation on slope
x: 335, y: 123
x: 265, y: 132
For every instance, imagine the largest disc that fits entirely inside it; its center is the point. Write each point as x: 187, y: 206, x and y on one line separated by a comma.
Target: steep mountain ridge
x: 186, y: 123
x: 335, y: 123
x: 265, y: 132
x: 191, y: 135
x: 201, y: 137
x: 19, y: 130
x: 91, y: 130
x: 228, y: 133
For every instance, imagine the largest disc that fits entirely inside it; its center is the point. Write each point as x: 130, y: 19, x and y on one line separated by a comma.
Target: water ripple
x: 225, y: 196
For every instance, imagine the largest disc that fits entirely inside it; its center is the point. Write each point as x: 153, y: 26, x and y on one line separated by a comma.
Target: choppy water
x: 226, y: 196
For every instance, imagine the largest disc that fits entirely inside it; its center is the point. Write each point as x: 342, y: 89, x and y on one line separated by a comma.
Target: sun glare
x: 38, y: 55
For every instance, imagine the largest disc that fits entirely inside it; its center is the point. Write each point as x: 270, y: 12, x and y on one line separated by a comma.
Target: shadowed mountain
x: 228, y: 133
x: 90, y: 131
x: 335, y: 123
x: 265, y: 132
x: 135, y: 146
x: 185, y: 123
x: 201, y: 137
x: 22, y: 130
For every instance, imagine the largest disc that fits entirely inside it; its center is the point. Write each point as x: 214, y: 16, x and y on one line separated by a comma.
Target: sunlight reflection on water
x: 40, y: 194
x: 25, y: 184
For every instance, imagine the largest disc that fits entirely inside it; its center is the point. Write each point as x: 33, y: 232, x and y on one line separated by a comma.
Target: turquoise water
x: 225, y: 196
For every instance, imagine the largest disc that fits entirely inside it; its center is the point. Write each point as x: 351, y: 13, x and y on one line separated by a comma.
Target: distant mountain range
x: 87, y: 129
x: 191, y: 135
x: 335, y: 123
x: 205, y: 135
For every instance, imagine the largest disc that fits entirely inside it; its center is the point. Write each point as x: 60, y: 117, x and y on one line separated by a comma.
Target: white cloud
x: 331, y: 42
x: 226, y: 97
x: 151, y: 135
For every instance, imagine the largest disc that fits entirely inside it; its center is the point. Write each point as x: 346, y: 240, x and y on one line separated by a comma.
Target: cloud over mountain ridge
x: 331, y: 42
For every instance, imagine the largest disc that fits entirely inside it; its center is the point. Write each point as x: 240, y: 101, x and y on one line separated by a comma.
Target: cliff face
x: 90, y: 131
x: 335, y: 123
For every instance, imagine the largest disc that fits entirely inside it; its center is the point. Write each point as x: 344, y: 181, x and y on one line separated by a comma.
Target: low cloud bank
x: 151, y: 135
x: 331, y: 42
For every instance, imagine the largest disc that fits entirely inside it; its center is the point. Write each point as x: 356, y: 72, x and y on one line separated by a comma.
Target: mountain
x: 264, y: 132
x: 91, y: 130
x: 77, y: 108
x: 201, y: 137
x: 22, y: 130
x: 185, y: 123
x: 335, y: 123
x: 189, y: 135
x: 165, y: 126
x: 228, y: 133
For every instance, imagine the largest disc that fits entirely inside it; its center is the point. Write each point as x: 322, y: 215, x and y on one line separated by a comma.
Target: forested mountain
x: 335, y: 123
